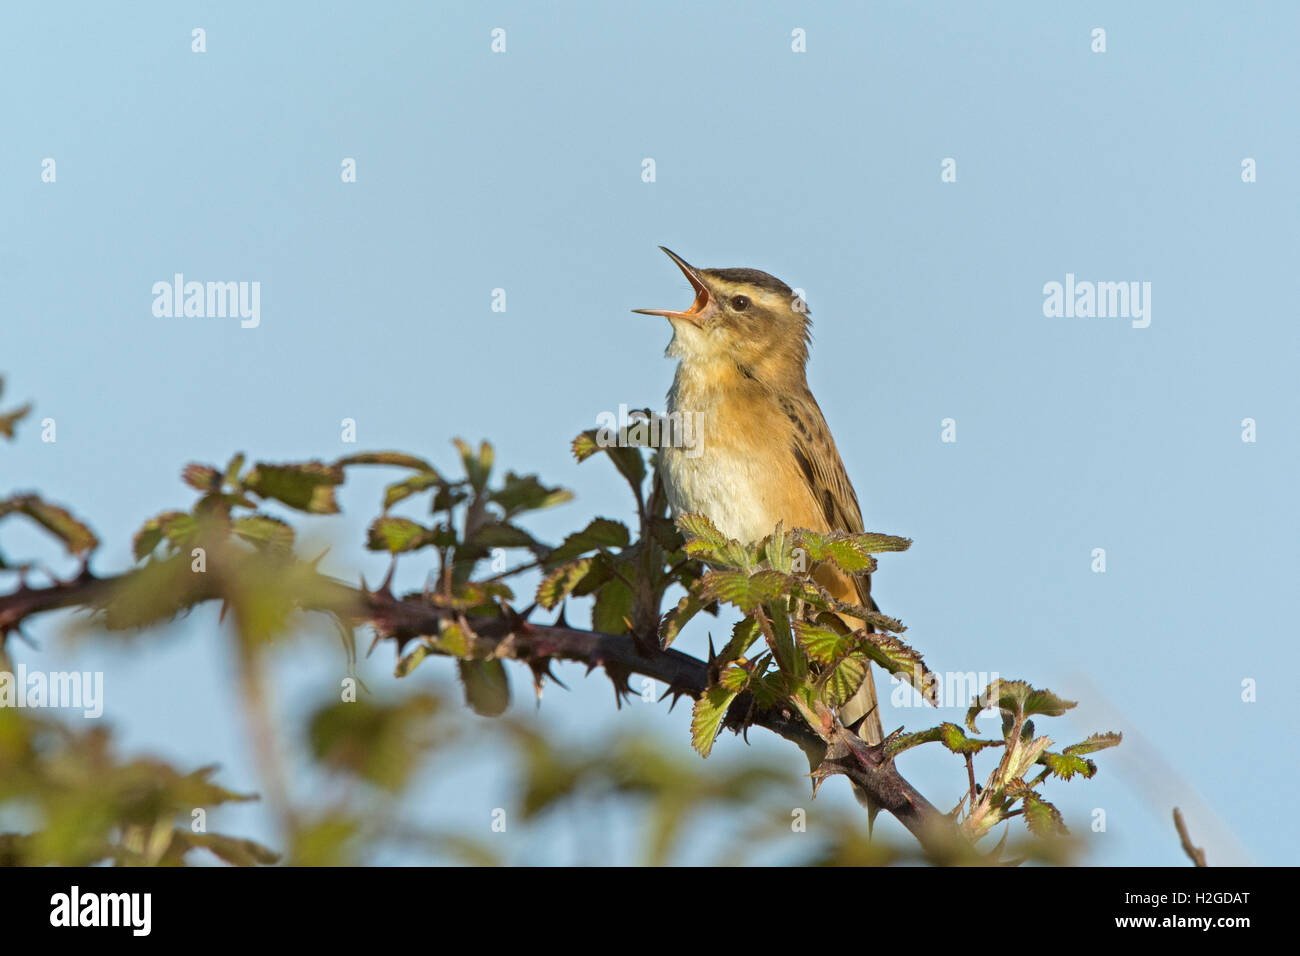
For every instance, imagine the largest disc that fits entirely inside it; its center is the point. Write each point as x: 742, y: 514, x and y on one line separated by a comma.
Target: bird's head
x: 739, y: 315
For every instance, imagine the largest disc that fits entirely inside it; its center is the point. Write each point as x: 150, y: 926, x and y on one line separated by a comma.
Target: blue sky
x: 523, y: 171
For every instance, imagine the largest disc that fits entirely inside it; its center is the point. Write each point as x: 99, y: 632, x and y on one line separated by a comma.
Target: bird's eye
x: 740, y: 303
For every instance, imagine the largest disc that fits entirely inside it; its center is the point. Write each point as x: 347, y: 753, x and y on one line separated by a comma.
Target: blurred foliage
x: 86, y: 806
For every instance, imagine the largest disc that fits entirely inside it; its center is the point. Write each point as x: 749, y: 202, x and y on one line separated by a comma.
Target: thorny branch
x: 511, y: 636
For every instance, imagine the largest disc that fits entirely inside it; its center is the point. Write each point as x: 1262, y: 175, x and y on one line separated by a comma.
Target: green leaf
x: 77, y: 537
x: 1066, y: 766
x: 839, y: 548
x: 556, y: 586
x: 411, y: 661
x: 151, y: 533
x: 453, y: 639
x: 477, y: 466
x: 233, y: 468
x: 401, y: 490
x: 743, y: 635
x: 842, y: 680
x: 823, y: 643
x: 899, y: 658
x: 1017, y: 699
x: 745, y: 591
x: 955, y: 739
x: 707, y: 716
x: 782, y: 637
x: 487, y: 688
x: 584, y: 446
x: 398, y: 535
x: 1094, y: 742
x: 600, y: 533
x: 387, y: 458
x: 702, y: 532
x: 1042, y: 818
x: 613, y: 608
x: 628, y: 460
x: 678, y: 617
x: 526, y: 493
x: 499, y: 534
x: 308, y: 486
x: 948, y: 734
x: 264, y: 531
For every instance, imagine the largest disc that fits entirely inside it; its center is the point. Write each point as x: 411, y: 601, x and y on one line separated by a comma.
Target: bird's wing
x: 819, y: 462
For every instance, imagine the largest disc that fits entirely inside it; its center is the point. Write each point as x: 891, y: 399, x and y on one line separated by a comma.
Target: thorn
x: 388, y: 578
x: 314, y: 562
x: 561, y: 620
x: 677, y: 693
x: 541, y: 668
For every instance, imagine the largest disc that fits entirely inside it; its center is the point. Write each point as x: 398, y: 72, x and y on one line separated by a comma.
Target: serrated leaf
x: 499, y: 534
x: 398, y: 535
x: 413, y: 485
x: 743, y: 635
x: 396, y: 458
x: 676, y: 619
x: 77, y: 537
x: 948, y: 734
x: 584, y: 446
x: 955, y: 739
x: 823, y: 643
x: 899, y: 658
x: 745, y: 591
x: 555, y: 587
x: 707, y: 716
x: 203, y: 478
x: 734, y: 678
x: 151, y: 533
x: 600, y: 533
x: 702, y: 532
x: 308, y: 486
x: 612, y: 609
x: 1042, y: 818
x: 1017, y: 699
x: 519, y: 494
x: 1066, y: 765
x: 264, y: 531
x: 842, y: 680
x: 1094, y: 742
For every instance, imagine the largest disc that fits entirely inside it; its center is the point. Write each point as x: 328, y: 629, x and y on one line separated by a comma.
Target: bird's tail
x: 861, y: 713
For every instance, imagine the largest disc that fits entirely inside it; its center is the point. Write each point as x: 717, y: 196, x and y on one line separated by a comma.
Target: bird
x: 766, y: 455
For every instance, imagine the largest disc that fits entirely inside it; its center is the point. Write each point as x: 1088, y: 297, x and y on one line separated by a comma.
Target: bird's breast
x: 741, y: 475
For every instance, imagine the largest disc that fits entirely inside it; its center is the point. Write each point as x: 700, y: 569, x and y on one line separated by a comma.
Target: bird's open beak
x: 701, y: 293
